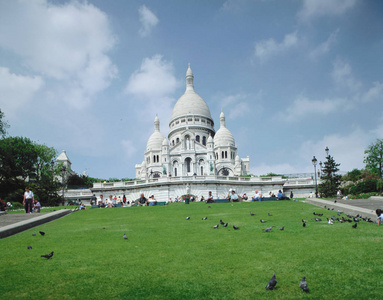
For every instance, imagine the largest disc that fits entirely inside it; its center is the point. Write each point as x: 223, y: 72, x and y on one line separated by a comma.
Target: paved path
x: 364, y: 207
x: 14, y: 223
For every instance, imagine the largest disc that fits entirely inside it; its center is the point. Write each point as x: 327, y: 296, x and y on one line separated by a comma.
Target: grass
x: 169, y: 257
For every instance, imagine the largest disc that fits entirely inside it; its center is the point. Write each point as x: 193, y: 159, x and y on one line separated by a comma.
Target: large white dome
x: 190, y: 103
x: 223, y: 137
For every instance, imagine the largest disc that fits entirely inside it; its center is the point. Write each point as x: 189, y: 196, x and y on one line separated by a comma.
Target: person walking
x: 28, y: 200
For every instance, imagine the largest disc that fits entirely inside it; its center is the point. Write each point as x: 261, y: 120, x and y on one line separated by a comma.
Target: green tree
x: 22, y: 159
x: 330, y: 180
x: 353, y: 175
x: 3, y: 125
x: 374, y: 157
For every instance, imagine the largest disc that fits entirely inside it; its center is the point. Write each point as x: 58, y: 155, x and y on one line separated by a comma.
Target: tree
x: 353, y: 175
x: 330, y: 180
x: 21, y: 161
x: 3, y: 125
x: 374, y: 157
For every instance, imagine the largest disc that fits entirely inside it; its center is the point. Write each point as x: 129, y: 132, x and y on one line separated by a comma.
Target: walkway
x: 14, y: 223
x: 364, y: 207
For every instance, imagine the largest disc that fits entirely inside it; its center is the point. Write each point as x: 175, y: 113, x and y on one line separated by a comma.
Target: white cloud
x: 376, y: 92
x: 324, y: 47
x: 343, y: 76
x: 317, y: 8
x: 152, y: 86
x: 304, y: 107
x: 234, y: 106
x: 348, y: 150
x: 17, y: 90
x: 267, y: 48
x: 148, y: 20
x: 66, y: 43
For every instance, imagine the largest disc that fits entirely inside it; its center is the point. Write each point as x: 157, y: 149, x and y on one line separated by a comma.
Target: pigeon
x: 304, y: 221
x: 42, y: 232
x: 314, y: 213
x: 330, y: 221
x: 303, y: 285
x: 269, y: 214
x: 282, y: 228
x: 318, y: 219
x: 335, y: 201
x: 204, y: 218
x: 29, y: 247
x: 252, y: 214
x: 48, y: 256
x: 356, y: 220
x: 221, y: 222
x: 125, y: 237
x: 225, y: 225
x: 268, y: 229
x: 272, y: 283
x: 216, y: 226
x: 262, y: 221
x: 320, y: 215
x: 235, y: 227
x: 304, y: 224
x: 34, y: 234
x: 187, y: 218
x: 355, y: 225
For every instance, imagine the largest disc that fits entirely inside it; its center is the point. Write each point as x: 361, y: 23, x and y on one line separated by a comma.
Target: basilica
x: 193, y: 147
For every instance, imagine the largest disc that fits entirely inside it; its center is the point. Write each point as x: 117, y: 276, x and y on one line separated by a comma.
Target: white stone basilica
x: 193, y: 147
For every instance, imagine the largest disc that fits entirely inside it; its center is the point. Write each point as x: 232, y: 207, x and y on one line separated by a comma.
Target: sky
x: 292, y: 77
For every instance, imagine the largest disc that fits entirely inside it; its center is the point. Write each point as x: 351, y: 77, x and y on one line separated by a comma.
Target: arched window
x: 201, y: 170
x: 154, y: 158
x: 175, y: 172
x: 225, y: 154
x: 197, y: 138
x: 177, y: 140
x: 188, y: 164
x: 158, y: 158
x: 204, y: 140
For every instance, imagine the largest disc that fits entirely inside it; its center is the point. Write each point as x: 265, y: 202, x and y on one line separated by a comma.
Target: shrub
x: 17, y: 205
x: 365, y: 186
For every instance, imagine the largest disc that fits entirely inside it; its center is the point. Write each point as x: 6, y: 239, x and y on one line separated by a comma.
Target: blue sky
x: 292, y: 77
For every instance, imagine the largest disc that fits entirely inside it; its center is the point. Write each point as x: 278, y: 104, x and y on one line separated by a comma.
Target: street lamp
x: 314, y: 161
x: 63, y: 169
x: 327, y: 150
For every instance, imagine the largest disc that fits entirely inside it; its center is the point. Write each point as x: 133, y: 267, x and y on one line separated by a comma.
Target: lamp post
x: 327, y: 150
x: 314, y: 161
x: 63, y: 169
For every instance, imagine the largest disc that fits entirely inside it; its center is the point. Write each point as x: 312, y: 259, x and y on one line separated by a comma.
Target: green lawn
x: 169, y: 257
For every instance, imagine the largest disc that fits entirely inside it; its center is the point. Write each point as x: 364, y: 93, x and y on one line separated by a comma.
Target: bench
x: 221, y: 200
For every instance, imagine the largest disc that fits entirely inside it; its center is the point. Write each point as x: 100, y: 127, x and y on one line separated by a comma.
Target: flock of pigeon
x: 47, y: 256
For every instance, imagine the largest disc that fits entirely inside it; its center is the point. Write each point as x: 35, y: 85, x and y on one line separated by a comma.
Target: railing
x: 164, y: 180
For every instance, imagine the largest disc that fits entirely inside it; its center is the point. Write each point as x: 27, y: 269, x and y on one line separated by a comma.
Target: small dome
x: 237, y: 159
x: 210, y: 139
x: 165, y: 143
x: 156, y: 139
x: 223, y: 136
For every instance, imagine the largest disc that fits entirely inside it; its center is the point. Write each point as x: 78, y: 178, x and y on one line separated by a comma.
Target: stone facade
x: 192, y: 148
